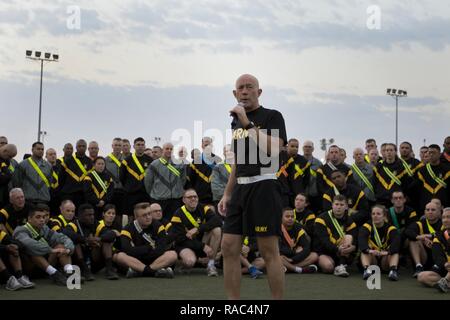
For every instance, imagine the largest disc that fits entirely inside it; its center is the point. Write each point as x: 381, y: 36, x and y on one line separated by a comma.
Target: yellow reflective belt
x: 407, y: 167
x: 63, y: 220
x: 246, y: 241
x: 138, y: 164
x: 35, y: 235
x: 366, y: 157
x: 313, y: 173
x: 11, y: 168
x: 170, y: 167
x: 299, y: 171
x: 39, y: 171
x: 200, y: 174
x: 392, y: 175
x: 228, y: 167
x: 336, y: 224
x: 100, y: 181
x: 377, y: 237
x: 190, y: 217
x: 80, y: 165
x: 56, y: 183
x: 113, y: 158
x: 430, y: 228
x: 435, y: 178
x: 363, y: 177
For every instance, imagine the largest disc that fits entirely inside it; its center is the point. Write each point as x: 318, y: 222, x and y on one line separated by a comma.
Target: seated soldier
x: 67, y: 224
x: 44, y: 245
x: 94, y: 243
x: 358, y: 206
x: 379, y: 243
x: 295, y: 246
x: 196, y: 232
x: 157, y: 214
x: 9, y: 254
x: 421, y: 234
x: 334, y: 234
x: 15, y: 213
x: 304, y: 215
x: 439, y: 277
x: 60, y: 222
x: 400, y: 215
x: 144, y: 246
x: 108, y: 222
x: 251, y: 261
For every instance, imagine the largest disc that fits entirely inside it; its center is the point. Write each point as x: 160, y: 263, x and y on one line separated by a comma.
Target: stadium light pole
x: 49, y: 57
x: 396, y: 93
x: 323, y: 145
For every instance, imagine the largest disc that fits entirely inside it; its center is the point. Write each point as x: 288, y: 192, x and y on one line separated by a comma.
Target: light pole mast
x: 47, y: 57
x: 396, y: 93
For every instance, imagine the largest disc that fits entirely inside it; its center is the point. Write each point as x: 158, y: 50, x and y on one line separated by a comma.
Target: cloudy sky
x: 153, y: 68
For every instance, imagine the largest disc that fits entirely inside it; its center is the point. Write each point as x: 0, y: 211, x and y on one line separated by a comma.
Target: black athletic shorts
x: 255, y: 209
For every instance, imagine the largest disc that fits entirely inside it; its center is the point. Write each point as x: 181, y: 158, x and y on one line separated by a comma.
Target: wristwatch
x: 249, y: 126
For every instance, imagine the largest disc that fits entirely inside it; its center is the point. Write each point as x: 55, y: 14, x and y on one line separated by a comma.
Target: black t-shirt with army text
x: 250, y: 160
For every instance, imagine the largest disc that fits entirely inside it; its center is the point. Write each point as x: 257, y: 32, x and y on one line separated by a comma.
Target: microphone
x: 234, y: 115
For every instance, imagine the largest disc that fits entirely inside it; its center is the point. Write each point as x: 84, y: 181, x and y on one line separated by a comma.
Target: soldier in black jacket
x: 440, y: 275
x: 295, y: 246
x: 196, y: 232
x: 145, y: 247
x: 335, y: 235
x: 73, y: 170
x: 199, y: 172
x: 379, y: 243
x: 132, y: 174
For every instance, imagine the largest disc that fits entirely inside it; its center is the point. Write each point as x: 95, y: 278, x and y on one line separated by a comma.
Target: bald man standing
x: 164, y: 181
x: 252, y: 202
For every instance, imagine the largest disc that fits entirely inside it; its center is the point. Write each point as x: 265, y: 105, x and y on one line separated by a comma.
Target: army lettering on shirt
x: 250, y: 160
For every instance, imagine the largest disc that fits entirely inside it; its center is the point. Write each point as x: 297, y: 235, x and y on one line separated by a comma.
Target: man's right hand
x: 223, y: 205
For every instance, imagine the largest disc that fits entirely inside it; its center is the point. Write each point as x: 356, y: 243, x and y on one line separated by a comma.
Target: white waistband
x: 253, y: 179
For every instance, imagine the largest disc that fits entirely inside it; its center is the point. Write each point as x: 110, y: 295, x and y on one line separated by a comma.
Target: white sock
x: 50, y: 270
x: 298, y: 269
x: 211, y: 263
x: 419, y: 265
x: 68, y: 268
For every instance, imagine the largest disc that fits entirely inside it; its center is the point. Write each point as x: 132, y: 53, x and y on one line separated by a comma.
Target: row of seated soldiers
x: 151, y: 245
